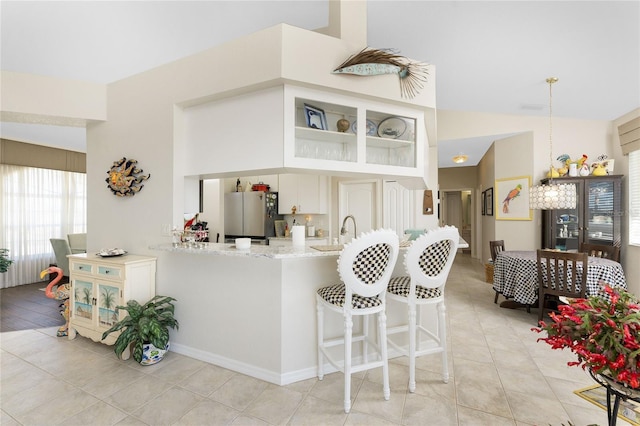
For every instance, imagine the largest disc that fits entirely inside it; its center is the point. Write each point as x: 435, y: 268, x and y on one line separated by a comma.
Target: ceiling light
x: 552, y: 195
x: 460, y: 158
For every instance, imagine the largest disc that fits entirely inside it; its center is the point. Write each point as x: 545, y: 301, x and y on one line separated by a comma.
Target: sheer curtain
x: 38, y: 204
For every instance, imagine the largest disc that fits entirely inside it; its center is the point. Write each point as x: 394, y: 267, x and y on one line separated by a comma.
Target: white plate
x: 392, y: 128
x: 111, y: 252
x: 371, y: 127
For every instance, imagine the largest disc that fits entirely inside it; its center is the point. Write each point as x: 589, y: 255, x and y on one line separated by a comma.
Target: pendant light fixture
x: 552, y: 195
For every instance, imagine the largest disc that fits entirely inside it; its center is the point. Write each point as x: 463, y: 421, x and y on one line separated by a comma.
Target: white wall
x: 63, y: 102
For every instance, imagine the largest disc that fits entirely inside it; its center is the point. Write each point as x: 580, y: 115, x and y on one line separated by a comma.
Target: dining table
x: 515, y: 276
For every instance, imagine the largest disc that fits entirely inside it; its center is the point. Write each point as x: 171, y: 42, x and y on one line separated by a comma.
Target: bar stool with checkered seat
x: 365, y: 266
x: 427, y: 263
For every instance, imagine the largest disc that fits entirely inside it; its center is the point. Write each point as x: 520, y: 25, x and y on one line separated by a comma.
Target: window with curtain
x: 38, y: 204
x: 634, y: 198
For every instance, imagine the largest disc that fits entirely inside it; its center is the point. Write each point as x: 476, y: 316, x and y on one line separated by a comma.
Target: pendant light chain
x: 551, y: 80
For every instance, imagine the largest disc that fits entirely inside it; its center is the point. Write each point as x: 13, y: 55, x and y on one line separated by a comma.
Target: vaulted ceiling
x: 491, y: 56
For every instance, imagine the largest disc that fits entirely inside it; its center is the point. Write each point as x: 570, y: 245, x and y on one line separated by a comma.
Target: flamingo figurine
x: 60, y: 293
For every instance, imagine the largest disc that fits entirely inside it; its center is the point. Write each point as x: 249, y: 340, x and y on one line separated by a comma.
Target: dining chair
x: 365, y: 266
x: 77, y: 242
x: 560, y: 273
x: 495, y: 247
x: 427, y: 263
x: 61, y: 250
x: 601, y: 250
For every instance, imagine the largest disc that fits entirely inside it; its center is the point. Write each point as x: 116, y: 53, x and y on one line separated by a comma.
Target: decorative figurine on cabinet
x: 584, y: 170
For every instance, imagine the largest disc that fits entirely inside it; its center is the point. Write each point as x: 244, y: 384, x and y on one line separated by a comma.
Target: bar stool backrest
x: 430, y: 257
x: 366, y: 263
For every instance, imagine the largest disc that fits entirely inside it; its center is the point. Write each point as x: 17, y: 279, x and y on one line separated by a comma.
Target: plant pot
x: 152, y: 355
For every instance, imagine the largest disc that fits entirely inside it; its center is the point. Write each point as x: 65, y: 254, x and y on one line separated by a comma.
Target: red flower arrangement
x: 603, y: 332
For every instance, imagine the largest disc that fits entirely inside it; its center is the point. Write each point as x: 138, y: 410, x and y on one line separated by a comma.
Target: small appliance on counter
x: 250, y: 214
x: 260, y: 187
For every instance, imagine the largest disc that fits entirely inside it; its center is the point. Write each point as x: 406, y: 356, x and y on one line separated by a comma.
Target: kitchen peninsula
x: 253, y: 311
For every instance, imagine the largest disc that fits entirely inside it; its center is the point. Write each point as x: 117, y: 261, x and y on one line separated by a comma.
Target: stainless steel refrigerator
x: 250, y: 214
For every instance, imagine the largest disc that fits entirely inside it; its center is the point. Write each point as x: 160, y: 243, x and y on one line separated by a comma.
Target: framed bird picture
x: 512, y: 198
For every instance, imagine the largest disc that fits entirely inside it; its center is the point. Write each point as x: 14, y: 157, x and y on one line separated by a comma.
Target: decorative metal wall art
x: 371, y: 61
x: 124, y: 179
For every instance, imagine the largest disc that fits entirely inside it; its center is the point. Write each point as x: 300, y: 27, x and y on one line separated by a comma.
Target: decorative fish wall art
x: 371, y: 61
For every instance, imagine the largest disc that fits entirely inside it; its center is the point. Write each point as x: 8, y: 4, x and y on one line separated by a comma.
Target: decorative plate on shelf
x: 392, y: 128
x: 371, y: 127
x: 111, y: 252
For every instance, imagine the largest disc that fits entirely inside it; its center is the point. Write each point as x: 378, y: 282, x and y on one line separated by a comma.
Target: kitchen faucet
x: 343, y: 230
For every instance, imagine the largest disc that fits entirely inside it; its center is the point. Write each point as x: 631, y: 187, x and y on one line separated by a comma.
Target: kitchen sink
x: 330, y: 247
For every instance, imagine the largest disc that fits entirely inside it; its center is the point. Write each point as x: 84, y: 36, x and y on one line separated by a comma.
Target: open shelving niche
x: 332, y: 145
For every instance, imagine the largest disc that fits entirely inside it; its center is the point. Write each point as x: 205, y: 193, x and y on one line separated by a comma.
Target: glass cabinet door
x: 567, y: 229
x: 108, y: 299
x: 600, y: 212
x: 83, y: 298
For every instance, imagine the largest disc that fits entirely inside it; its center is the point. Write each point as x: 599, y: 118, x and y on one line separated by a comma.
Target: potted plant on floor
x: 604, y: 332
x: 146, y: 329
x: 5, y: 262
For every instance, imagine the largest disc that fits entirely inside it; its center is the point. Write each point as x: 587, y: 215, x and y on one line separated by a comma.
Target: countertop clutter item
x: 297, y: 235
x: 243, y: 243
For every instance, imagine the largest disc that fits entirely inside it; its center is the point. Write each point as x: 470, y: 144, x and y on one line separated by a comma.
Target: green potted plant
x: 4, y: 261
x: 146, y: 329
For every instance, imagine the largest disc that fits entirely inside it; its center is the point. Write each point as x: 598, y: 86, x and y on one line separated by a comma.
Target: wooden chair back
x: 496, y: 247
x: 601, y: 250
x: 561, y: 273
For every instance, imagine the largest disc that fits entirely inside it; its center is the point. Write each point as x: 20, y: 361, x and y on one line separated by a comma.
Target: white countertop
x: 290, y: 239
x: 220, y: 249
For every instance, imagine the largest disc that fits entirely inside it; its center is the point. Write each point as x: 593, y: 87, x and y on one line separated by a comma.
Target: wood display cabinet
x: 99, y: 285
x: 595, y: 220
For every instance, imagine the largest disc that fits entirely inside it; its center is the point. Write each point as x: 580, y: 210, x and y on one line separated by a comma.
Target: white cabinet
x: 100, y: 284
x: 292, y: 128
x: 307, y: 193
x: 380, y: 138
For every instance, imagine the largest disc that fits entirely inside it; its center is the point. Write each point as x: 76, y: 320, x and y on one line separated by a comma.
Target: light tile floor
x: 500, y: 375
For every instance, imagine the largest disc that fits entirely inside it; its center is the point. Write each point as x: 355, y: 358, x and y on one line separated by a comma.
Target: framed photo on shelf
x: 316, y: 118
x: 513, y: 198
x: 488, y: 202
x: 483, y: 204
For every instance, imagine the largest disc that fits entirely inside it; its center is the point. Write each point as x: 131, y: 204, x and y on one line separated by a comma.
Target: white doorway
x: 360, y: 199
x: 398, y: 207
x: 457, y: 210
